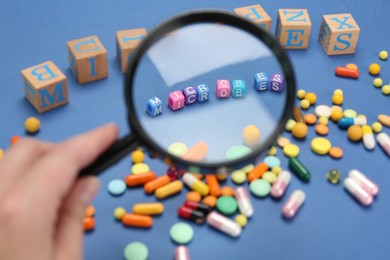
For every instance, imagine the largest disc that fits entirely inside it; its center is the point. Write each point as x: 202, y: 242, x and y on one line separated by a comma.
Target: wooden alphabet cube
x: 45, y: 86
x: 87, y: 59
x: 203, y: 92
x: 126, y: 42
x: 190, y: 95
x: 261, y: 81
x: 257, y: 14
x: 238, y: 90
x: 176, y: 100
x: 293, y: 28
x: 154, y: 107
x: 277, y: 83
x: 223, y: 88
x: 339, y: 34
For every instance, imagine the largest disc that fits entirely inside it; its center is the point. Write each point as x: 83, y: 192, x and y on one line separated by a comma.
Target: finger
x: 69, y: 233
x: 18, y: 159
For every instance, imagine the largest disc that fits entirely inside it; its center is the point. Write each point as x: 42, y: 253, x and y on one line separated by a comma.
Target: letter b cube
x: 238, y: 90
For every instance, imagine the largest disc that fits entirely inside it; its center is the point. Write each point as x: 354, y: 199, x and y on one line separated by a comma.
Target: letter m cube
x: 45, y: 86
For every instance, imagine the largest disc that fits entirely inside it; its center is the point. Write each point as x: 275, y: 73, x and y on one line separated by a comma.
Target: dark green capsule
x: 299, y: 169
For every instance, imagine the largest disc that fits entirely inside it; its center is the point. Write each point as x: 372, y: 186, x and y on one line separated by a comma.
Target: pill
x: 336, y: 152
x: 338, y: 92
x: 322, y: 129
x: 195, y: 184
x: 152, y: 185
x: 305, y: 104
x: 272, y: 161
x: 1, y: 153
x: 116, y: 187
x: 344, y: 123
x: 227, y: 205
x: 237, y: 152
x: 194, y: 196
x: 238, y: 176
x: 374, y: 69
x: 169, y: 189
x: 251, y: 135
x: 347, y: 73
x: 244, y: 203
x: 290, y: 124
x: 272, y: 151
x: 280, y: 185
x: 222, y: 176
x: 310, y: 119
x: 269, y: 176
x: 181, y: 233
x: 182, y: 253
x: 320, y: 145
x: 297, y: 114
x: 257, y: 172
x: 14, y: 139
x: 173, y: 173
x: 148, y: 208
x: 384, y: 142
x: 88, y: 223
x: 260, y: 188
x: 355, y: 133
x: 191, y: 214
x: 336, y: 108
x: 384, y: 119
x: 139, y: 179
x: 376, y: 127
x: 89, y: 211
x: 291, y: 150
x: 337, y: 99
x: 386, y: 90
x: 299, y: 169
x: 293, y: 204
x: 364, y: 182
x: 210, y: 201
x: 377, y: 82
x: 136, y: 251
x: 138, y: 168
x: 301, y: 93
x: 333, y: 176
x: 368, y: 137
x: 350, y: 113
x: 241, y: 220
x: 197, y: 206
x: 178, y: 149
x: 323, y: 120
x: 32, y: 125
x: 311, y: 97
x: 323, y: 110
x: 137, y: 156
x: 223, y: 224
x: 351, y: 66
x: 213, y: 184
x: 336, y: 115
x: 133, y: 220
x: 283, y: 141
x: 197, y: 152
x: 277, y: 170
x: 383, y: 55
x: 119, y: 213
x: 299, y: 130
x: 358, y: 192
x: 247, y: 169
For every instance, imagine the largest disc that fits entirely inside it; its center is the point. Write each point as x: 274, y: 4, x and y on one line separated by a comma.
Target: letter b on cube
x: 154, y: 107
x: 239, y: 89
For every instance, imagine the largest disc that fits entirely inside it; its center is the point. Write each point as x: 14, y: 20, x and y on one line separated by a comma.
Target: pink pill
x: 364, y: 182
x: 280, y: 185
x: 293, y: 204
x: 358, y: 192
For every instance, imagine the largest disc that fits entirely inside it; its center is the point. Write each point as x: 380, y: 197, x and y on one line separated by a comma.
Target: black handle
x: 113, y: 155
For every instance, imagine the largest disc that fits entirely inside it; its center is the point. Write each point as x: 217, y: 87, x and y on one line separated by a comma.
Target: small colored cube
x: 190, y: 95
x: 238, y: 90
x: 45, y: 86
x: 87, y: 59
x: 203, y: 92
x: 176, y: 100
x: 255, y: 13
x: 154, y: 107
x: 223, y: 88
x: 277, y: 83
x: 261, y: 81
x: 126, y: 42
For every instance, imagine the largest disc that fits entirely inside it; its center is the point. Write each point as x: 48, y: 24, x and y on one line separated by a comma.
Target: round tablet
x: 178, y: 149
x: 291, y: 150
x: 310, y: 119
x: 136, y: 251
x: 283, y: 141
x: 137, y: 156
x: 236, y: 152
x: 350, y: 113
x: 238, y: 176
x: 241, y: 220
x: 248, y: 168
x: 227, y: 205
x: 272, y: 161
x: 251, y: 135
x: 269, y: 176
x: 140, y: 168
x: 119, y: 213
x: 336, y: 152
x: 260, y: 188
x: 116, y: 187
x: 181, y: 233
x: 320, y: 145
x: 32, y: 125
x: 323, y: 110
x: 272, y: 151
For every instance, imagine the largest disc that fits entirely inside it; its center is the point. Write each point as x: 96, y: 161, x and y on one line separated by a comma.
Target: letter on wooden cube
x: 203, y: 92
x: 126, y: 42
x: 190, y: 95
x: 255, y: 13
x: 176, y: 100
x: 223, y: 88
x: 238, y: 90
x: 261, y: 81
x: 277, y: 83
x: 154, y: 107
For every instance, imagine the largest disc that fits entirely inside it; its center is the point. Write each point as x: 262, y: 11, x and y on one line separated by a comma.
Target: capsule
x: 364, y: 182
x: 299, y: 169
x: 153, y: 185
x: 358, y: 192
x: 293, y: 204
x: 280, y: 185
x: 297, y: 114
x: 182, y: 253
x: 197, y: 206
x: 346, y: 122
x: 169, y: 189
x: 195, y: 184
x: 223, y: 224
x: 148, y: 208
x: 384, y: 142
x: 257, y: 172
x: 133, y: 220
x: 133, y: 180
x: 244, y: 202
x: 213, y: 184
x: 346, y: 73
x: 191, y: 214
x: 368, y: 137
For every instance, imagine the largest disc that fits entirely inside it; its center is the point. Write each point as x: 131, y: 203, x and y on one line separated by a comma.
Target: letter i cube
x: 45, y: 86
x: 238, y: 90
x: 261, y: 81
x: 339, y: 34
x: 255, y: 13
x: 126, y: 42
x: 203, y: 92
x: 277, y: 83
x: 190, y: 95
x: 87, y: 59
x: 223, y: 88
x: 176, y: 100
x: 154, y: 107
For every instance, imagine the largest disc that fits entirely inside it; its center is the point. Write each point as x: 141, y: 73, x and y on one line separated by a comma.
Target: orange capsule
x: 347, y: 73
x: 153, y: 185
x: 88, y: 223
x: 257, y: 172
x: 14, y: 139
x: 133, y: 220
x: 133, y: 180
x: 89, y: 211
x: 197, y: 152
x: 213, y: 184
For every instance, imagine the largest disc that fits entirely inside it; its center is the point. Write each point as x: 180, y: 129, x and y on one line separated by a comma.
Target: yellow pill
x: 376, y: 127
x: 140, y: 168
x: 350, y: 113
x: 291, y: 150
x: 311, y: 97
x: 32, y: 125
x: 323, y: 120
x: 272, y: 151
x: 383, y: 55
x: 336, y: 115
x: 338, y: 92
x: 247, y: 169
x: 336, y: 108
x: 366, y: 130
x: 377, y: 82
x: 277, y: 170
x: 119, y: 213
x: 305, y: 104
x: 352, y: 66
x: 283, y: 141
x: 251, y: 135
x: 137, y: 156
x: 355, y: 133
x: 241, y: 220
x: 301, y: 93
x: 269, y: 177
x: 337, y: 99
x: 299, y: 130
x: 361, y: 116
x: 290, y: 124
x: 169, y: 189
x: 148, y: 208
x: 1, y: 153
x: 374, y: 69
x: 320, y: 145
x: 386, y: 90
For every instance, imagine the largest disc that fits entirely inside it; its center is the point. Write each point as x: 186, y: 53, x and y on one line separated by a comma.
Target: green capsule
x: 299, y: 169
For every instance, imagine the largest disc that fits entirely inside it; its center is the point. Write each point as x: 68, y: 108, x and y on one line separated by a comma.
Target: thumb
x: 69, y: 233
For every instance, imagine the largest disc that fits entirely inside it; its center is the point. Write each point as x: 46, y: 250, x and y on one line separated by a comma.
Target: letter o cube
x: 223, y: 88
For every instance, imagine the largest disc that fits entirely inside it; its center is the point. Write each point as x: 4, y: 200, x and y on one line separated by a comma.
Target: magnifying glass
x: 206, y: 91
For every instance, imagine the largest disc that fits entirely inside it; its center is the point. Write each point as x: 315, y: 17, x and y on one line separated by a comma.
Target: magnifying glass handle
x: 110, y: 157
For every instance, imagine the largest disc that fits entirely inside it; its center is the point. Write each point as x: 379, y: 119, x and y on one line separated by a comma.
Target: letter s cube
x: 277, y: 83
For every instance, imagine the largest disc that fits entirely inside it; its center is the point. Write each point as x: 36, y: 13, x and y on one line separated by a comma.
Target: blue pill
x: 272, y: 161
x: 116, y: 187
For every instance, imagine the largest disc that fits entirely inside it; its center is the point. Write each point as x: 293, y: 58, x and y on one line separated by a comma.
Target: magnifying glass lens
x: 209, y: 92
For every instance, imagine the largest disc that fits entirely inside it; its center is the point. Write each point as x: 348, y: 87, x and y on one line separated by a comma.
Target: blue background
x: 330, y: 225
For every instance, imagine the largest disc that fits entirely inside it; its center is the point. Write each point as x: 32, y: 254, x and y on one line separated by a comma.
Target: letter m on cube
x: 154, y: 107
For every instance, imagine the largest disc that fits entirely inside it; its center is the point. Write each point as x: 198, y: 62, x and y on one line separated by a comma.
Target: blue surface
x: 330, y: 225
